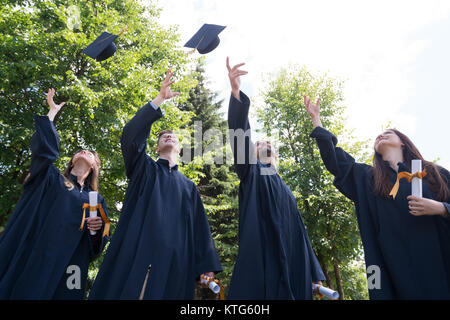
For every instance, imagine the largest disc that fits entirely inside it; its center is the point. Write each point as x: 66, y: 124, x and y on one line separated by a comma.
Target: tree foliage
x: 41, y: 52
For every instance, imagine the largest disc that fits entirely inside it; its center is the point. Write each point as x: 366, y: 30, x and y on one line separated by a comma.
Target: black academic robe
x: 42, y: 237
x: 411, y: 252
x: 163, y: 224
x: 275, y: 258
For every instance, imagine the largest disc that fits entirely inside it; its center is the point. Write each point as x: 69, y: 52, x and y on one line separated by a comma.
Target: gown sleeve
x: 338, y: 162
x: 241, y: 144
x: 206, y: 257
x: 446, y: 177
x: 316, y: 270
x: 44, y: 147
x: 135, y: 135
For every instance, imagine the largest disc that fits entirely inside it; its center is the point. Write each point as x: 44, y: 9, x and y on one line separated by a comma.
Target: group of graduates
x: 162, y: 243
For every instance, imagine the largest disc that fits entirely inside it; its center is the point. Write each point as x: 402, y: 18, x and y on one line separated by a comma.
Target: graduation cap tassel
x: 195, y: 49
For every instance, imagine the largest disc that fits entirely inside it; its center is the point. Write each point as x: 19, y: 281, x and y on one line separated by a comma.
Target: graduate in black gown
x: 43, y: 252
x: 162, y: 243
x: 275, y: 258
x: 406, y: 239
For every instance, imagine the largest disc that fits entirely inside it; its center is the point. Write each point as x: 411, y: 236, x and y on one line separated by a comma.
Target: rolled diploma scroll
x: 327, y: 292
x: 93, y: 196
x: 416, y: 183
x: 212, y: 285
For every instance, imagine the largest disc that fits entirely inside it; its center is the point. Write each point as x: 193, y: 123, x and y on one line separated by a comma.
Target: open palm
x: 311, y: 108
x: 234, y: 73
x: 53, y: 106
x: 166, y: 92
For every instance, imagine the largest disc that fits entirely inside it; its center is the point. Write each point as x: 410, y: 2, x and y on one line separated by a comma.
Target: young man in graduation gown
x: 163, y: 242
x: 45, y: 249
x: 275, y: 258
x: 406, y: 239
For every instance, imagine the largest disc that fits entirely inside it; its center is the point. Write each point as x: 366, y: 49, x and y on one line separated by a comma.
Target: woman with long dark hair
x: 406, y: 239
x: 47, y: 245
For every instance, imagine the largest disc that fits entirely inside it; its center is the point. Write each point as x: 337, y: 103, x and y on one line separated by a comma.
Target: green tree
x: 39, y: 51
x: 329, y: 216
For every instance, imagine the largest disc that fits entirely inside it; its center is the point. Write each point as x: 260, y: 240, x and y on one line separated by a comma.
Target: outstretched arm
x: 336, y: 160
x: 238, y: 124
x: 54, y: 108
x: 136, y: 131
x: 45, y: 141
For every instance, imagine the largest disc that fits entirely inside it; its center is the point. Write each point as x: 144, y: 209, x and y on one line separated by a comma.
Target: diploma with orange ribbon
x: 415, y: 177
x: 92, y: 214
x: 214, y: 285
x: 321, y: 291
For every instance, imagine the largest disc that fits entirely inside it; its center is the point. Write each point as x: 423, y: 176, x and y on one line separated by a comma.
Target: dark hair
x: 381, y: 173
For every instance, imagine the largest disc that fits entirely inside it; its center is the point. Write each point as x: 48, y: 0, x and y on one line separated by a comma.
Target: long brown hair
x: 382, y: 174
x: 93, y: 178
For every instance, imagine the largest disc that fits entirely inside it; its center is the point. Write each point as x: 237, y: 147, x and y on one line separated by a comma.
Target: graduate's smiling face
x: 167, y: 142
x: 388, y: 139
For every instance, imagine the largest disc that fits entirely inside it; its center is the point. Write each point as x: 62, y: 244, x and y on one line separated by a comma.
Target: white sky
x: 393, y: 55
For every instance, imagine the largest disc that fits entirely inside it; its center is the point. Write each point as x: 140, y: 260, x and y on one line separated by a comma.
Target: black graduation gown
x: 412, y: 252
x: 42, y: 237
x: 163, y: 223
x: 275, y: 258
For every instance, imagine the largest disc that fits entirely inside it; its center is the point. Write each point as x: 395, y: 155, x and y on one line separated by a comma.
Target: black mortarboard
x: 102, y: 48
x: 206, y: 39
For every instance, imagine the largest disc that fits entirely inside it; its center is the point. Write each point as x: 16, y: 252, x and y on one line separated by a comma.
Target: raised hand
x: 165, y: 92
x: 313, y: 110
x: 234, y: 74
x: 54, y: 108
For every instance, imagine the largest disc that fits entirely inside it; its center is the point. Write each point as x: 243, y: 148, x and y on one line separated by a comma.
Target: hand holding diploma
x: 419, y: 206
x: 424, y: 206
x: 319, y: 289
x: 207, y: 280
x: 94, y: 223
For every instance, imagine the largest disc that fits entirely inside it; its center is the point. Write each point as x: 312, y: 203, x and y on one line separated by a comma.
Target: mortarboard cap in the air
x: 206, y: 39
x: 102, y: 48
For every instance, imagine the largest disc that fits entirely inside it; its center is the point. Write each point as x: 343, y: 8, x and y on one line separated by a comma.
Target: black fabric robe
x: 42, y: 237
x: 412, y: 252
x: 163, y: 223
x: 275, y: 258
